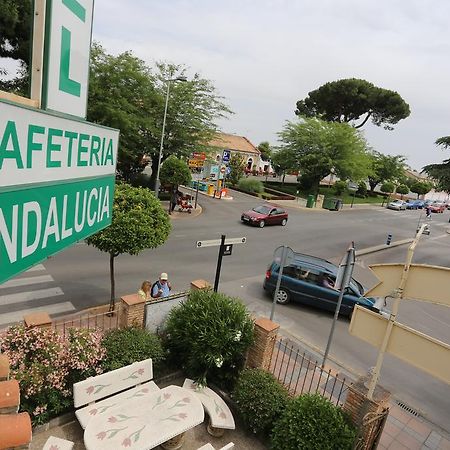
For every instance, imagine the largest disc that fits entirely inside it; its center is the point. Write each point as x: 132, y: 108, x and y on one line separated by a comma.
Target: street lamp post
x: 157, y: 182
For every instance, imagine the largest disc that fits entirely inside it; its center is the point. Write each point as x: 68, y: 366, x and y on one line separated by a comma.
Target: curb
x: 378, y: 248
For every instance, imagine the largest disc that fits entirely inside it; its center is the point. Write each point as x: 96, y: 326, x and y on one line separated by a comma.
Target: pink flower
x: 186, y: 400
x: 90, y: 390
x: 54, y: 447
x: 140, y: 371
x: 93, y: 412
x: 101, y: 435
x: 182, y: 415
x: 222, y: 415
x: 166, y: 396
x: 126, y: 442
x: 112, y: 419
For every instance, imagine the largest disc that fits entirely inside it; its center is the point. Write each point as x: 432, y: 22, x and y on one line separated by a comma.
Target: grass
x: 328, y: 191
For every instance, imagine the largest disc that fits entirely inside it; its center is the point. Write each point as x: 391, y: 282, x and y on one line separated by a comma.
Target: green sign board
x: 38, y: 221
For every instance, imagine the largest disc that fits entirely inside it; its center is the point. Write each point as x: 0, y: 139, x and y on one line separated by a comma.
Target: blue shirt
x: 165, y: 289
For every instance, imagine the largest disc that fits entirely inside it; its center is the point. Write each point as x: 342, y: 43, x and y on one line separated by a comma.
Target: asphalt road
x: 81, y: 272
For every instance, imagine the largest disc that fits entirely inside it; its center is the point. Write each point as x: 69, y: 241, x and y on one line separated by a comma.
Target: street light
x: 157, y: 183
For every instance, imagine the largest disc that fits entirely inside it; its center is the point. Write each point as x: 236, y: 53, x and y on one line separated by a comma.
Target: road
x: 80, y: 278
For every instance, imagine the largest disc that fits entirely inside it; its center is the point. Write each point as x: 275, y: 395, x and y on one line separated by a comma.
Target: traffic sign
x: 216, y: 242
x: 227, y: 249
x: 226, y: 155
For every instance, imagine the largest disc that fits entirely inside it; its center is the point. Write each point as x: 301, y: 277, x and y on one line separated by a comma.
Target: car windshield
x: 262, y: 209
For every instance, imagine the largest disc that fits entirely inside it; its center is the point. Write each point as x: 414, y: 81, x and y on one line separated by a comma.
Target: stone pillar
x: 15, y: 431
x: 133, y: 311
x: 39, y: 319
x: 361, y: 409
x: 260, y: 353
x: 9, y: 396
x: 200, y: 284
x: 4, y: 367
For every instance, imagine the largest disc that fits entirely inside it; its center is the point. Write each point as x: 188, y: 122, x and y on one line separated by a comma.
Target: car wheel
x: 282, y: 297
x: 261, y: 224
x: 283, y: 222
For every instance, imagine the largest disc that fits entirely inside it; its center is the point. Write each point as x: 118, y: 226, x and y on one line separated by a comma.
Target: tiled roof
x: 233, y: 142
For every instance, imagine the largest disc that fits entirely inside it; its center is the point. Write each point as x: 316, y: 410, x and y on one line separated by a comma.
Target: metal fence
x: 301, y: 374
x: 100, y: 321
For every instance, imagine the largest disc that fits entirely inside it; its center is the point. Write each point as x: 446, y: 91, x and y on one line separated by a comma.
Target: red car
x: 438, y: 207
x: 266, y: 214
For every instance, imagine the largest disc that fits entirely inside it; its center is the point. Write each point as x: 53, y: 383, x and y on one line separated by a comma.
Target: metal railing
x: 301, y: 374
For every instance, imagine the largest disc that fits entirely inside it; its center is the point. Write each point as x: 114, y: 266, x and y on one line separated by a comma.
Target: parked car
x: 302, y: 281
x: 414, y: 204
x: 266, y: 214
x: 438, y: 207
x: 398, y: 205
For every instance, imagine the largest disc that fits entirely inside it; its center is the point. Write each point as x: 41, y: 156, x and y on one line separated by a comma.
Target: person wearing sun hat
x: 161, y: 288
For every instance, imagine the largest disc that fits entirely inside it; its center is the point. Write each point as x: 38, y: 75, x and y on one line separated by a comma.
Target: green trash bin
x: 310, y: 201
x: 329, y: 203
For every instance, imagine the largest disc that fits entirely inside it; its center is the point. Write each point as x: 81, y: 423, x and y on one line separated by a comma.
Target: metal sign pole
x: 196, y: 194
x: 346, y: 277
x: 219, y: 262
x: 280, y: 274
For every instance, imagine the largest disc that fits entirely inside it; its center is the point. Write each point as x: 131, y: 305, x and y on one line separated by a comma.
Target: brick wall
x: 260, y: 353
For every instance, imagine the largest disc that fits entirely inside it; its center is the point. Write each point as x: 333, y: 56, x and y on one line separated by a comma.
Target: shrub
x: 340, y: 187
x: 251, y: 185
x: 208, y: 336
x: 260, y: 399
x: 46, y: 365
x: 362, y: 190
x: 127, y: 345
x: 311, y: 421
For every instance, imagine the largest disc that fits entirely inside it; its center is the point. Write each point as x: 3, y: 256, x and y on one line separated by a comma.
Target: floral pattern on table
x: 96, y: 388
x: 135, y: 375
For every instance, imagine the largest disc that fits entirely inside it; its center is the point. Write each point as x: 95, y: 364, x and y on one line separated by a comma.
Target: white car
x: 398, y: 205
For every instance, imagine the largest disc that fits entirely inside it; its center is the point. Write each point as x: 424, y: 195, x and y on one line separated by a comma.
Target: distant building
x: 237, y: 145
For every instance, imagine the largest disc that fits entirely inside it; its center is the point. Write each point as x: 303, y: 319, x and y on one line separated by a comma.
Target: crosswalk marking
x: 15, y: 282
x: 17, y: 316
x: 29, y: 296
x: 35, y: 268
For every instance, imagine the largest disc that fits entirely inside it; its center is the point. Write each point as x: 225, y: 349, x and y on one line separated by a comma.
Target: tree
x: 124, y: 93
x: 402, y: 190
x: 350, y: 99
x: 316, y: 147
x: 138, y: 223
x: 283, y: 160
x: 385, y: 168
x: 421, y: 188
x: 440, y: 172
x: 174, y: 171
x: 266, y: 151
x: 237, y: 167
x: 387, y: 188
x: 15, y: 41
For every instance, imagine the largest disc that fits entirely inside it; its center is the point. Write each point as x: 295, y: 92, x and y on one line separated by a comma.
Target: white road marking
x: 24, y: 281
x: 29, y: 296
x: 38, y: 267
x: 17, y: 316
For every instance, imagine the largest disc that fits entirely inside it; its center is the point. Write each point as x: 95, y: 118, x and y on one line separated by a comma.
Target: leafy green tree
x: 385, y: 168
x: 362, y: 189
x: 340, y: 187
x: 266, y: 151
x: 138, y: 223
x: 353, y: 99
x: 283, y: 160
x: 174, y: 171
x: 387, y: 188
x: 402, y: 189
x: 315, y: 147
x: 237, y: 167
x: 421, y: 188
x: 124, y: 93
x: 15, y: 41
x: 441, y: 172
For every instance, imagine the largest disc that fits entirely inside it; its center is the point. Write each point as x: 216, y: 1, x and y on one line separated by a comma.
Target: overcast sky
x: 264, y: 55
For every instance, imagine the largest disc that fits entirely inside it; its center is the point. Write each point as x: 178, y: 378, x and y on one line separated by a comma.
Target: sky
x: 264, y: 55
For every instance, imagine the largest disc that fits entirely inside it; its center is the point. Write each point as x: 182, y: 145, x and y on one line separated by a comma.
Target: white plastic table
x: 145, y: 422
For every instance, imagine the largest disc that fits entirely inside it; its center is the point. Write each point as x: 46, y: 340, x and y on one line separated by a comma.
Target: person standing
x: 162, y: 287
x: 145, y: 290
x: 428, y: 212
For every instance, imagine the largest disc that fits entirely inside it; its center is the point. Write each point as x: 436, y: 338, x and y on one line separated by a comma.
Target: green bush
x: 251, y: 185
x: 340, y: 187
x: 127, y: 345
x: 312, y: 422
x: 260, y: 399
x: 362, y: 190
x: 208, y: 336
